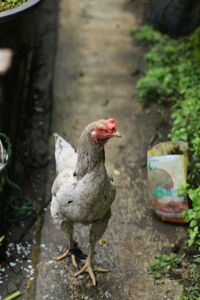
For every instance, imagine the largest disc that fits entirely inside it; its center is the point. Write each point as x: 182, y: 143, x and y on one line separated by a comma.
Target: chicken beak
x: 116, y: 134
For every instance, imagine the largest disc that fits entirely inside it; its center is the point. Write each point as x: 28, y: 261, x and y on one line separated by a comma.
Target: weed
x: 192, y: 284
x: 173, y: 77
x: 192, y: 215
x: 163, y: 265
x: 146, y: 34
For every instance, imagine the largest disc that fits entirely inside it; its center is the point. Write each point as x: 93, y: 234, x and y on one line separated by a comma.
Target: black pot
x: 17, y: 34
x: 11, y: 14
x: 175, y: 18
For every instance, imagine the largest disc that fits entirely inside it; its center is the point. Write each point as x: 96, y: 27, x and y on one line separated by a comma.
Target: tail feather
x: 65, y: 155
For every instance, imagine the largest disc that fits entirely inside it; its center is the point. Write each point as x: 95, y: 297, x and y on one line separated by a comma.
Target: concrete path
x: 95, y: 58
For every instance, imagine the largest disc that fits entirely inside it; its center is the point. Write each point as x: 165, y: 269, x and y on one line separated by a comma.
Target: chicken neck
x: 90, y: 156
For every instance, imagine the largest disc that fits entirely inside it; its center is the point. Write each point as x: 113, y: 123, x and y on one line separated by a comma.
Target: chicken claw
x: 75, y: 254
x: 65, y: 254
x: 62, y: 256
x: 88, y: 268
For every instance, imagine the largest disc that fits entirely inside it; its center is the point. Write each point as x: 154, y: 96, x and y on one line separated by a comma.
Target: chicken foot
x: 69, y: 252
x: 73, y: 250
x: 87, y: 267
x: 97, y: 230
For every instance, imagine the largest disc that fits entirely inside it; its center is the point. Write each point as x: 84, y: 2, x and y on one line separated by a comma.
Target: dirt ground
x: 93, y: 78
x: 95, y: 59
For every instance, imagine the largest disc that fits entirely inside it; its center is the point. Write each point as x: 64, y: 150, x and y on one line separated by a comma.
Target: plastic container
x: 167, y: 172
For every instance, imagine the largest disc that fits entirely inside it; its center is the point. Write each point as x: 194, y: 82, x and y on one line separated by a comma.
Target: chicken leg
x: 97, y: 230
x: 67, y: 226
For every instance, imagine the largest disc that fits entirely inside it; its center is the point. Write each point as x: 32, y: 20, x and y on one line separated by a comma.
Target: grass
x: 163, y: 265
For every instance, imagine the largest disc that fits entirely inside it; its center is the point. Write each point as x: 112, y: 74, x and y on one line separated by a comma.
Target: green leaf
x: 193, y: 223
x: 156, y: 275
x: 1, y: 239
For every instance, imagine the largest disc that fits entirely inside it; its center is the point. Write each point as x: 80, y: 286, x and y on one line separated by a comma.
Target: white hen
x: 82, y: 191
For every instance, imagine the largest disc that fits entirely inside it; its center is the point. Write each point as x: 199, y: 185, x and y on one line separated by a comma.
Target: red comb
x: 111, y: 124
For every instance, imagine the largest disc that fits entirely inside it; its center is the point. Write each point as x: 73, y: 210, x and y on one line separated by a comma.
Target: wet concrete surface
x: 95, y: 59
x: 95, y: 63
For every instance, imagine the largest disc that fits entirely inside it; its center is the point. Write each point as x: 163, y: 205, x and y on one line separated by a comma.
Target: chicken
x: 82, y: 191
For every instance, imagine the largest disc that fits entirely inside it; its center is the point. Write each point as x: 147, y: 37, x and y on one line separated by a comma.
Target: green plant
x: 146, y: 34
x: 173, y: 77
x: 18, y: 206
x: 191, y: 289
x: 171, y: 63
x: 192, y: 216
x: 195, y: 39
x: 1, y: 239
x: 186, y: 127
x: 163, y: 264
x: 8, y: 4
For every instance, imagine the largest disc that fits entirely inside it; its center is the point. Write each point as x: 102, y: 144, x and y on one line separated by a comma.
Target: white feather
x: 65, y: 155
